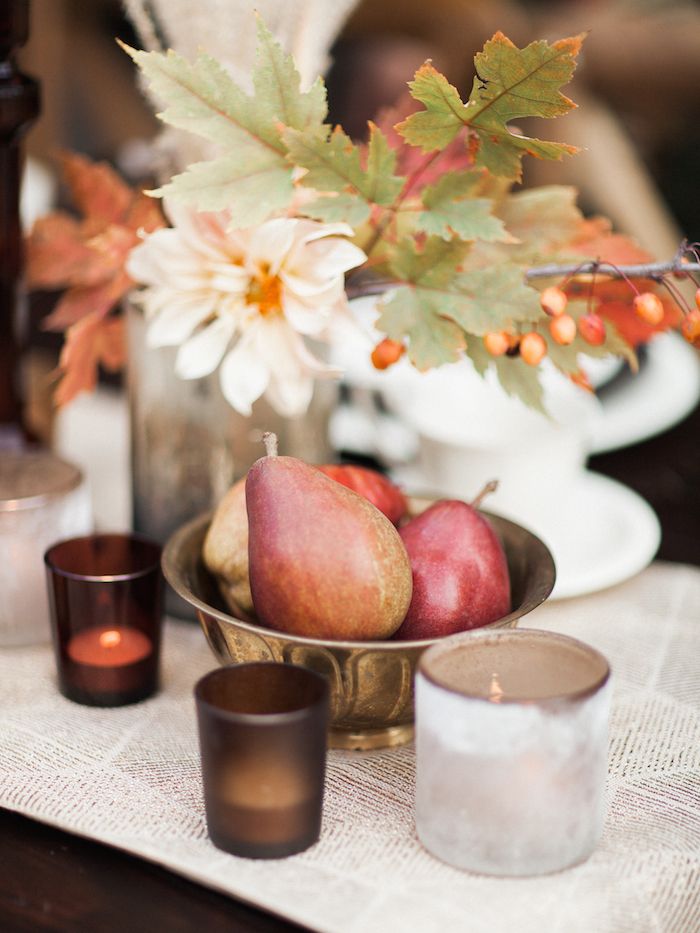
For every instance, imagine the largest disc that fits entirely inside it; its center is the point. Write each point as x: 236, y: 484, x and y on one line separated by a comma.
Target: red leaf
x: 97, y: 191
x: 421, y: 170
x: 57, y: 254
x: 144, y: 214
x: 91, y: 341
x: 615, y: 297
x: 79, y: 302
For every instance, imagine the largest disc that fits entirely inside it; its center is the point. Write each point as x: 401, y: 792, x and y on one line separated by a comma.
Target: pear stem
x: 270, y: 442
x: 490, y: 487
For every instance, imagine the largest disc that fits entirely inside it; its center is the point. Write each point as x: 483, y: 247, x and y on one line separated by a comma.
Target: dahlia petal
x: 243, y: 375
x: 202, y: 353
x: 178, y: 319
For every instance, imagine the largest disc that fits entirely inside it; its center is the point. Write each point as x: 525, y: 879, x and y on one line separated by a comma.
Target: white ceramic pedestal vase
x: 188, y: 445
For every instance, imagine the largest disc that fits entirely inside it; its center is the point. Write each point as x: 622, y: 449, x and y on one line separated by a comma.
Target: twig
x: 643, y: 270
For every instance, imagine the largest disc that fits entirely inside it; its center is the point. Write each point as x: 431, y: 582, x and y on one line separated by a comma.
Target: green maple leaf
x: 451, y: 209
x: 510, y: 83
x: 541, y: 218
x: 494, y: 298
x: 254, y: 178
x: 437, y: 307
x: 432, y: 264
x: 278, y: 87
x: 417, y: 311
x: 408, y: 314
x: 516, y: 377
x: 335, y: 164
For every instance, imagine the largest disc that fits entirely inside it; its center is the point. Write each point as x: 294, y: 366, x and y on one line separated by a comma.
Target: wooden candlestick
x: 19, y: 107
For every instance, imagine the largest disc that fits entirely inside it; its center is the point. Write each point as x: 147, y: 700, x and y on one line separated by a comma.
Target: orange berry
x: 553, y: 301
x: 580, y: 379
x: 592, y: 329
x: 697, y: 298
x: 533, y: 348
x: 386, y: 353
x: 563, y: 329
x: 649, y: 308
x: 497, y: 342
x: 690, y: 327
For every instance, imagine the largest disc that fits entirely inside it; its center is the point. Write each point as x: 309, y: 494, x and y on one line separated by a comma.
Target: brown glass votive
x: 262, y: 736
x: 106, y: 599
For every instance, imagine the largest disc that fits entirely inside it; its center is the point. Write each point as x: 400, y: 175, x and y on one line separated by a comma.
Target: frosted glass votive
x: 511, y: 746
x: 42, y: 499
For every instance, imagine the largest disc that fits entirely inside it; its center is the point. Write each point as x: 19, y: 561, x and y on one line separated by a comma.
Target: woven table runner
x: 130, y: 777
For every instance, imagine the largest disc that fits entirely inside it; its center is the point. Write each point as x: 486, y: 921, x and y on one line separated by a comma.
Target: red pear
x: 323, y: 561
x: 460, y: 573
x: 371, y: 484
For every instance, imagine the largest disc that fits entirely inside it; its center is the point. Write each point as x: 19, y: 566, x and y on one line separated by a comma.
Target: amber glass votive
x: 106, y: 598
x: 511, y: 750
x: 262, y: 733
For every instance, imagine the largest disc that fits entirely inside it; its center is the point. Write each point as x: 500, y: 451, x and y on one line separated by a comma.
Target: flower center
x: 265, y: 291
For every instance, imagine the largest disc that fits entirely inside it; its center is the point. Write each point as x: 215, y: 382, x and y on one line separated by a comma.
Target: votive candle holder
x: 511, y: 746
x: 263, y: 735
x: 106, y: 600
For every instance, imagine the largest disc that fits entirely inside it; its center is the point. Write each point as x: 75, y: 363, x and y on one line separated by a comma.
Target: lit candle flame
x: 110, y: 639
x: 495, y: 691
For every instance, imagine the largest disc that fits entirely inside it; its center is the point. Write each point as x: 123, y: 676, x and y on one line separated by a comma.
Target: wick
x: 490, y: 487
x: 270, y: 442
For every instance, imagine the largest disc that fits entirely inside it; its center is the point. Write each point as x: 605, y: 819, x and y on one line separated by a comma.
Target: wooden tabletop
x: 52, y: 881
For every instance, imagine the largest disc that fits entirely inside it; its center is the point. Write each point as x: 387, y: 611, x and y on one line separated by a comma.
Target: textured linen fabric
x: 130, y: 777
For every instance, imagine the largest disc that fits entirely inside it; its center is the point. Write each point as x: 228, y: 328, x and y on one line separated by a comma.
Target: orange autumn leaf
x: 87, y: 257
x: 96, y: 189
x: 77, y: 302
x: 58, y: 254
x: 93, y: 341
x: 615, y: 297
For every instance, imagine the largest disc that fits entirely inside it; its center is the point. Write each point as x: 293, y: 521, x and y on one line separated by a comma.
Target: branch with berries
x: 577, y: 281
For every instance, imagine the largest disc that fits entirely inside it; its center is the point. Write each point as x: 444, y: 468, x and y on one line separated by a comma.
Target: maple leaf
x: 437, y: 307
x: 541, y: 219
x: 494, y: 299
x: 58, y: 254
x: 278, y: 86
x: 510, y: 83
x: 450, y: 209
x: 411, y: 162
x: 358, y: 177
x: 253, y: 178
x: 516, y: 377
x: 92, y: 341
x: 415, y: 311
x: 87, y: 256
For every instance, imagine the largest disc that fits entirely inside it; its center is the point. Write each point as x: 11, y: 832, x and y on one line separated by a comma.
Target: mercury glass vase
x: 188, y: 445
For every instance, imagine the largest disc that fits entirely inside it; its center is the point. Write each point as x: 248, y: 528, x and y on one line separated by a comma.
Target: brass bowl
x: 371, y: 681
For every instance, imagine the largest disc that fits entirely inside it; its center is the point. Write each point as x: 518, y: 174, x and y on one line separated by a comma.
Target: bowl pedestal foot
x: 366, y: 739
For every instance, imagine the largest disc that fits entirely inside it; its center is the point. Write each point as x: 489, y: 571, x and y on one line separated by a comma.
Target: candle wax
x: 109, y: 647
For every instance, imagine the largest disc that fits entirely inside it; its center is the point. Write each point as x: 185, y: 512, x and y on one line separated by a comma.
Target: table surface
x: 53, y: 881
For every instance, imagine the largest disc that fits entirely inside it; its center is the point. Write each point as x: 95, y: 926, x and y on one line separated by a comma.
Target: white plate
x: 603, y: 534
x: 665, y: 390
